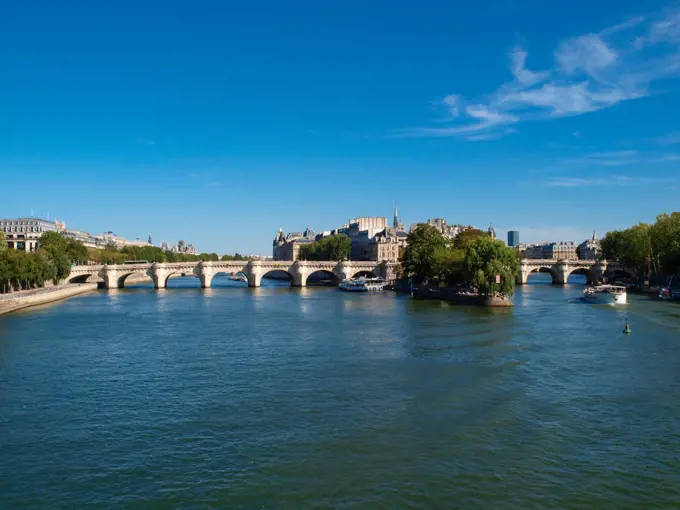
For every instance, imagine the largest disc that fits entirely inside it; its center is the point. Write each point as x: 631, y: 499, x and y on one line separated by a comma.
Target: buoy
x: 627, y: 328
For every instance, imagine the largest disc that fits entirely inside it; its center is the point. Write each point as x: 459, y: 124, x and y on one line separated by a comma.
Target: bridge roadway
x: 114, y: 275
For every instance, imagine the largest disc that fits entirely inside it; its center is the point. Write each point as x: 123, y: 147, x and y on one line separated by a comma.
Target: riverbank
x: 34, y: 297
x: 459, y: 297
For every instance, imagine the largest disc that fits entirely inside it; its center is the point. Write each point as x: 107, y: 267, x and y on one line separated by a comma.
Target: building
x: 513, y: 238
x: 387, y: 245
x: 448, y: 231
x: 590, y: 249
x: 87, y: 239
x: 491, y: 232
x: 375, y: 223
x: 565, y: 250
x: 24, y: 233
x: 287, y: 247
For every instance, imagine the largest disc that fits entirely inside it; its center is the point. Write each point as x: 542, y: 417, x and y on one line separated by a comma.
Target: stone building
x: 387, y: 245
x: 23, y: 233
x: 448, y: 231
x: 590, y: 248
x: 565, y: 250
x: 287, y: 247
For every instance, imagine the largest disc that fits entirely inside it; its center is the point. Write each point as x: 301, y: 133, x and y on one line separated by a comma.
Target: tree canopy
x: 657, y: 245
x: 335, y: 247
x: 472, y: 258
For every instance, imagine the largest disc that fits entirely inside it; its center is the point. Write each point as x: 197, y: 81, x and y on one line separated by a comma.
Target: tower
x: 492, y: 232
x: 395, y: 221
x: 149, y: 241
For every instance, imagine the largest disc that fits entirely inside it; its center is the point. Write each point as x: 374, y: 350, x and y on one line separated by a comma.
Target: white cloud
x: 587, y: 53
x: 523, y: 76
x: 589, y: 72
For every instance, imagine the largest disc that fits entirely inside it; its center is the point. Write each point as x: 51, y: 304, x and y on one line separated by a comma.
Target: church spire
x: 395, y: 221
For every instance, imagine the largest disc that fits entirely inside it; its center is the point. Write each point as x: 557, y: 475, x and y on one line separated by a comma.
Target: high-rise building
x: 513, y: 238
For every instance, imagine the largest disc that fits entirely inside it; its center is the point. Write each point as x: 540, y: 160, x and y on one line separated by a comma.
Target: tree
x: 3, y: 241
x: 486, y: 258
x: 468, y: 235
x: 417, y: 261
x: 334, y: 247
x: 665, y: 240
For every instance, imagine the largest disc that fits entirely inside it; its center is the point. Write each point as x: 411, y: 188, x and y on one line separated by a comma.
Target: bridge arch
x: 176, y: 274
x: 228, y: 275
x: 277, y: 273
x: 587, y: 272
x: 121, y: 279
x: 322, y: 275
x: 543, y: 270
x: 364, y: 273
x: 613, y: 275
x: 84, y: 278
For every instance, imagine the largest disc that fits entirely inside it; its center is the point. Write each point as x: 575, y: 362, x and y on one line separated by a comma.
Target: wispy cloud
x: 589, y: 72
x: 611, y: 180
x: 613, y: 158
x: 144, y: 141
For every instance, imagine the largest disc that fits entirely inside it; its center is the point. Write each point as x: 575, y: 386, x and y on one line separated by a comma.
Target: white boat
x: 611, y: 294
x: 238, y: 278
x: 363, y: 285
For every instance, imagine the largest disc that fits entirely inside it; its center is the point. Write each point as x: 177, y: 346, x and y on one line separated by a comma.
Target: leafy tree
x: 334, y: 247
x: 466, y: 236
x: 3, y: 241
x: 417, y: 261
x: 665, y: 237
x: 484, y: 259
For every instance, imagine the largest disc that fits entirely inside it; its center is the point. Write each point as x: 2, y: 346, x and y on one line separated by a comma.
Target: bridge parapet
x: 114, y: 275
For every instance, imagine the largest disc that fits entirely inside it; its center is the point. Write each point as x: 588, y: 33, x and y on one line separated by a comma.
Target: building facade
x: 590, y: 249
x: 513, y: 238
x: 565, y: 250
x: 448, y: 231
x: 23, y: 233
x: 287, y: 247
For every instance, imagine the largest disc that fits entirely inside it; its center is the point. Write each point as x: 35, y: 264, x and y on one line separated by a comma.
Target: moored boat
x: 611, y: 294
x: 362, y: 285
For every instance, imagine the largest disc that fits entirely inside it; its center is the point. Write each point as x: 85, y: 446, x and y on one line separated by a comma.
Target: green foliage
x: 484, y: 259
x: 665, y: 236
x: 467, y: 236
x: 335, y: 247
x: 3, y: 241
x: 148, y: 253
x: 632, y: 246
x: 235, y: 256
x: 474, y: 259
x: 418, y: 259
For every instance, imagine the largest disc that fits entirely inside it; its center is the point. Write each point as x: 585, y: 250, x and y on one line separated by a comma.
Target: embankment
x: 24, y: 299
x: 461, y: 298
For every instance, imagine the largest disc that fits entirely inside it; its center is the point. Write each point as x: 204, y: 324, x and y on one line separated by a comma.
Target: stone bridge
x: 594, y: 270
x: 114, y: 275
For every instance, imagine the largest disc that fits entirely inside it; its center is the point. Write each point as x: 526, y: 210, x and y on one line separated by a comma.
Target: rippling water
x: 282, y: 398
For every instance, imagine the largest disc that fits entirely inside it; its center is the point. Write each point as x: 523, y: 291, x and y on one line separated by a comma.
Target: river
x: 274, y: 397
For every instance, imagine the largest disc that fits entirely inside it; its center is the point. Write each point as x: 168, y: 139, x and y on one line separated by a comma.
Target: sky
x: 219, y: 122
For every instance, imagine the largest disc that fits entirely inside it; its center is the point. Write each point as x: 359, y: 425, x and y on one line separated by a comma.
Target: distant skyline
x: 220, y: 124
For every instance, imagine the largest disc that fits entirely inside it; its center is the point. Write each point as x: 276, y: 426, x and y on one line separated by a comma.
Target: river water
x: 311, y: 398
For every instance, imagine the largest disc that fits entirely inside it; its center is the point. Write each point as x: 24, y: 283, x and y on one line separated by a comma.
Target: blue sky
x: 219, y: 122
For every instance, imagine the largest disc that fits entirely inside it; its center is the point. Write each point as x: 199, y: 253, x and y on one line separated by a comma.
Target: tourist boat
x: 362, y: 285
x: 611, y: 294
x: 238, y: 278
